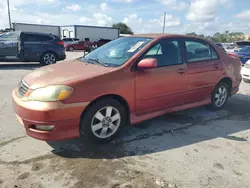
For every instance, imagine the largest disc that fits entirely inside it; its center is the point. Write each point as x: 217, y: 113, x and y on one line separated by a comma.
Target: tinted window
x: 76, y: 39
x: 219, y: 44
x: 67, y: 40
x: 243, y: 43
x: 197, y: 51
x: 167, y: 52
x: 245, y: 49
x: 37, y: 38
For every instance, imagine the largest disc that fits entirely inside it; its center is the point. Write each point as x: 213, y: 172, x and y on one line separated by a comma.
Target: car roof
x: 37, y: 33
x: 165, y: 35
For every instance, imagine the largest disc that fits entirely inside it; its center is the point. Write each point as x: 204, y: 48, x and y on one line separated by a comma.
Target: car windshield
x: 117, y: 52
x: 245, y: 49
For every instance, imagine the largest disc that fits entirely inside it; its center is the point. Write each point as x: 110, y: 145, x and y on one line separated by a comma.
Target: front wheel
x: 103, y: 121
x: 220, y: 96
x: 48, y: 58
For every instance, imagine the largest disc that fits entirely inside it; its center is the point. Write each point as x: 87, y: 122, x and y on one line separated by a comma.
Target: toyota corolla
x: 124, y: 82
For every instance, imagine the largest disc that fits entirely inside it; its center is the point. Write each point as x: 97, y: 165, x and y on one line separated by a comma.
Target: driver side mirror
x: 148, y: 63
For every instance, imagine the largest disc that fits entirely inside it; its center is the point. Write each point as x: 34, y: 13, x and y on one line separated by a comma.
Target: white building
x: 94, y: 33
x: 53, y: 29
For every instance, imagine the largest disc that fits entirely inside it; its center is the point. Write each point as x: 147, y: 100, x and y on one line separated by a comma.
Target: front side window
x: 117, y: 52
x: 197, y: 51
x: 166, y: 52
x: 9, y: 37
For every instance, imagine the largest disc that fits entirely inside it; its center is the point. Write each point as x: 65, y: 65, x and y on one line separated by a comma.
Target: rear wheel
x: 103, y: 121
x: 48, y: 58
x: 246, y: 80
x: 71, y: 49
x: 220, y: 96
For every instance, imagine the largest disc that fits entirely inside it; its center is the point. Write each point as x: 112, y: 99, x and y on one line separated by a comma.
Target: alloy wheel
x: 220, y: 96
x: 49, y: 59
x: 106, y: 122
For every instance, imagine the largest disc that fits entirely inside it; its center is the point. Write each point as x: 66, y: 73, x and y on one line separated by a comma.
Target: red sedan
x: 126, y: 81
x: 80, y: 45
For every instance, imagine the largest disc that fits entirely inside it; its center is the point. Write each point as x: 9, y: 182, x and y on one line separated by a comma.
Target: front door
x: 164, y: 86
x: 8, y: 44
x: 204, y: 69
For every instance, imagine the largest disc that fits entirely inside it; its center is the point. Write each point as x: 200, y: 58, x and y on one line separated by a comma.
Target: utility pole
x: 164, y: 22
x: 9, y: 13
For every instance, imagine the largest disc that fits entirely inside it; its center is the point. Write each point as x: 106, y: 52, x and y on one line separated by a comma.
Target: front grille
x: 23, y: 87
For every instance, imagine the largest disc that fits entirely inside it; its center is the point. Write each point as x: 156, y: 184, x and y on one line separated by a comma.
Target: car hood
x: 64, y: 73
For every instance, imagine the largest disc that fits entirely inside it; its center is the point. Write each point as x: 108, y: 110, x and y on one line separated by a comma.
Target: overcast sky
x: 201, y: 16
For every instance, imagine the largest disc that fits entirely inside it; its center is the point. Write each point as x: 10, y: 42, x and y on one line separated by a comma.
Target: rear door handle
x: 181, y: 71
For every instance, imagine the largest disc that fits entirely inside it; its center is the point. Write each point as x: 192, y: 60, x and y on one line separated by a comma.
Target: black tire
x: 71, y: 49
x: 52, y: 58
x: 246, y: 80
x: 214, y: 98
x: 89, y: 117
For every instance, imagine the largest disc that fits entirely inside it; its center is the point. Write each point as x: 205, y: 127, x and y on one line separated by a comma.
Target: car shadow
x: 167, y: 132
x: 22, y: 66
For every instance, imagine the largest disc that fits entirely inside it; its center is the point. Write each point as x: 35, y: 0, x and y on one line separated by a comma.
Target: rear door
x: 204, y: 69
x: 34, y: 45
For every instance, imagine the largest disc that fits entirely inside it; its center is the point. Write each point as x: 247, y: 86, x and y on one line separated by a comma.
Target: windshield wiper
x: 98, y: 62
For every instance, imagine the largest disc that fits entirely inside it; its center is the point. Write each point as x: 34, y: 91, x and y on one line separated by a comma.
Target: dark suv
x: 32, y: 47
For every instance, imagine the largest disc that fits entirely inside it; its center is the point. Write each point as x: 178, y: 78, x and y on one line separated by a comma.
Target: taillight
x: 61, y: 43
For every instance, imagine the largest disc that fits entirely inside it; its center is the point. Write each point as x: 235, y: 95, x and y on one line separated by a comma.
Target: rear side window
x: 214, y: 54
x: 67, y: 40
x: 197, y: 51
x: 37, y: 38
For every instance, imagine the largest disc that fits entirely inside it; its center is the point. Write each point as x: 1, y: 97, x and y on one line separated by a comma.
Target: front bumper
x: 61, y: 57
x: 65, y: 117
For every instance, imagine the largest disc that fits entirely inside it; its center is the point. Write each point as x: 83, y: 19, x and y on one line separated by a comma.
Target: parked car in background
x: 70, y: 40
x: 32, y: 47
x: 241, y: 44
x: 101, y: 42
x: 243, y: 54
x: 126, y: 81
x: 245, y: 72
x: 80, y: 45
x: 220, y: 45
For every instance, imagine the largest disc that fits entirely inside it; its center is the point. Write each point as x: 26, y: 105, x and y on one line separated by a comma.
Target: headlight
x: 51, y: 93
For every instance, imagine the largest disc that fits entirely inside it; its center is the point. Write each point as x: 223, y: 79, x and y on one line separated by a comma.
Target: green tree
x: 124, y: 28
x: 192, y: 34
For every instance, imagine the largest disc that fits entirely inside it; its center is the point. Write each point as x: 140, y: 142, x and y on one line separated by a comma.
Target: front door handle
x: 181, y: 71
x: 216, y: 66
